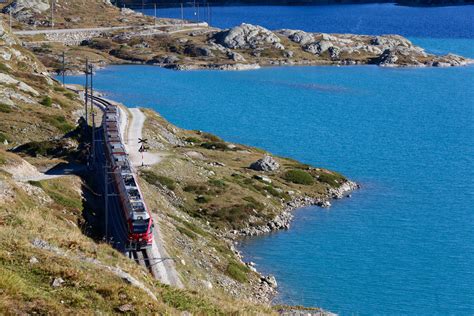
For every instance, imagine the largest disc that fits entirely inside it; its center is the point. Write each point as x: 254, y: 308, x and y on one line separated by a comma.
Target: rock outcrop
x: 267, y: 163
x: 246, y: 36
x: 25, y: 10
x: 384, y: 50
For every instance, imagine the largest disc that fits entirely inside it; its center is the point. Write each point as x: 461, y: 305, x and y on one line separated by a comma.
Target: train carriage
x: 136, y: 214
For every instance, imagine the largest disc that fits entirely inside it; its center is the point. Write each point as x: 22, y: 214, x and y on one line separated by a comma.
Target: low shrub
x: 4, y: 68
x: 333, y: 179
x: 193, y: 140
x: 217, y: 183
x: 214, y: 145
x: 212, y: 138
x: 196, y: 188
x: 299, y: 177
x: 156, y: 179
x: 3, y: 138
x: 202, y: 199
x: 186, y: 232
x: 70, y: 95
x: 237, y: 271
x: 5, y: 108
x: 59, y: 122
x: 47, y: 101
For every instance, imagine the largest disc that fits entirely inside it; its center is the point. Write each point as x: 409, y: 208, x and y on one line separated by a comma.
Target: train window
x: 140, y: 226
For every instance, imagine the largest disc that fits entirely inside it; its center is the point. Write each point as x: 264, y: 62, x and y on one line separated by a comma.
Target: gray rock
x: 267, y: 163
x: 57, y: 282
x: 246, y: 36
x: 125, y: 308
x: 270, y: 280
x: 24, y: 10
x: 288, y: 53
x: 235, y: 56
x: 334, y: 52
x: 388, y: 58
x: 318, y: 48
x: 198, y: 51
x: 33, y: 260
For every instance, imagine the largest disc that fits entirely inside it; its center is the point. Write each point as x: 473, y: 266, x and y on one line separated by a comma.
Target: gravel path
x: 162, y: 265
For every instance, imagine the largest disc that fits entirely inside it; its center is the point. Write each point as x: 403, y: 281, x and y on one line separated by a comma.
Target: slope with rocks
x: 53, y: 258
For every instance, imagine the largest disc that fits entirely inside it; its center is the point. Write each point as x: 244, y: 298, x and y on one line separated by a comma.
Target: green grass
x: 156, y: 179
x: 186, y: 232
x: 299, y: 177
x: 5, y: 108
x: 59, y: 122
x: 237, y: 271
x: 3, y: 137
x: 333, y: 179
x: 215, y: 145
x: 182, y: 301
x: 193, y: 140
x: 70, y: 95
x: 57, y: 195
x: 202, y: 199
x: 212, y: 138
x: 218, y: 183
x: 47, y: 101
x: 4, y: 68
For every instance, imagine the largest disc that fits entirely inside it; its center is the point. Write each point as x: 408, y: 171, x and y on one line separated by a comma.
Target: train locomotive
x: 136, y: 214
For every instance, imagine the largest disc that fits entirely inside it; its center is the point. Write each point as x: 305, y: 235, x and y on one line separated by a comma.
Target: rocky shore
x: 242, y: 47
x: 283, y: 220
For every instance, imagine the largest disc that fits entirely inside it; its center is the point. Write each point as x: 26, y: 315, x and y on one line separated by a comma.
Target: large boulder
x: 24, y: 10
x: 318, y: 47
x: 246, y: 36
x: 267, y: 163
x: 390, y: 41
x: 298, y: 36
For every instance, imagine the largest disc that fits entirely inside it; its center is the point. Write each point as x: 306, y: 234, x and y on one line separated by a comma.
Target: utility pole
x: 52, y: 14
x: 197, y: 12
x: 10, y: 13
x: 93, y: 115
x: 64, y: 67
x: 86, y: 95
x: 155, y: 11
x: 106, y: 199
x: 208, y: 14
x: 182, y: 13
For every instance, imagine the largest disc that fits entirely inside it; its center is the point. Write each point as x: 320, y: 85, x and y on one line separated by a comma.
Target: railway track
x: 141, y: 256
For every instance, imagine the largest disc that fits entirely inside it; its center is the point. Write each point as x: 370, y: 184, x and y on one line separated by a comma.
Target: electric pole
x: 93, y: 114
x: 52, y: 14
x: 197, y: 12
x: 10, y: 13
x: 155, y: 12
x: 182, y: 13
x: 106, y: 199
x: 86, y: 95
x: 64, y: 67
x: 208, y: 14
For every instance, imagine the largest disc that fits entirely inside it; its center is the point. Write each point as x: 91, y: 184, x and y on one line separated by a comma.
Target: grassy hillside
x: 52, y: 261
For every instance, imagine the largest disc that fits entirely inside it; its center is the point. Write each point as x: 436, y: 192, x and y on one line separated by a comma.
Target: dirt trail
x: 133, y: 133
x: 132, y: 122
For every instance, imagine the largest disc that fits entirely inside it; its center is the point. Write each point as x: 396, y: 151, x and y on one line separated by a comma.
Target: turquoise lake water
x: 404, y: 243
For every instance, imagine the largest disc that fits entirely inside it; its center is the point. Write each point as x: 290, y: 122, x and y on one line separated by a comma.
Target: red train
x: 138, y: 218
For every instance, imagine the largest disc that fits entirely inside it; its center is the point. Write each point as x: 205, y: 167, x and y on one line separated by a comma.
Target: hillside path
x: 162, y: 265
